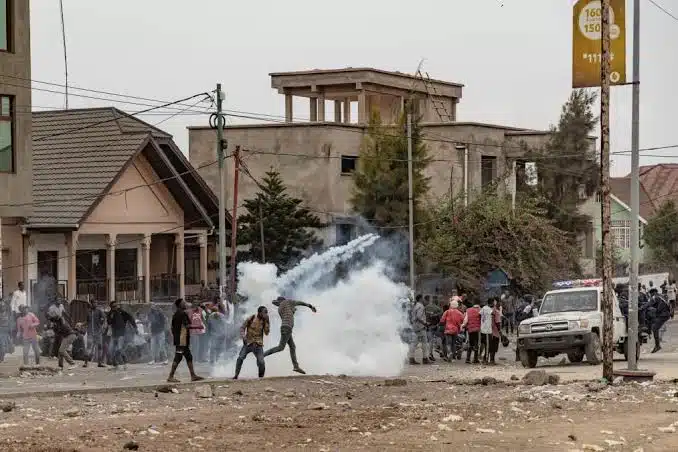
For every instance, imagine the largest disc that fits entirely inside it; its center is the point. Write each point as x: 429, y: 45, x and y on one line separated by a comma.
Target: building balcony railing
x: 130, y: 290
x: 165, y: 287
x: 92, y: 290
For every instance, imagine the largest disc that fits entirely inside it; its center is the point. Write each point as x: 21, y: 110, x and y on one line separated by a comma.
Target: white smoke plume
x: 356, y: 330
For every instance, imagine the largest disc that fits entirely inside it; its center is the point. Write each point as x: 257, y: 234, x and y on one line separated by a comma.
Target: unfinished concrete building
x: 317, y: 155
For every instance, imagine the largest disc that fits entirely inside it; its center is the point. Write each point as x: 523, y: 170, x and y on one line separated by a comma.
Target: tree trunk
x: 607, y: 302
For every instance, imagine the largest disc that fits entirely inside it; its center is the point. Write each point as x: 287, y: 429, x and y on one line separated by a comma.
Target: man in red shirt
x: 472, y: 326
x: 27, y: 332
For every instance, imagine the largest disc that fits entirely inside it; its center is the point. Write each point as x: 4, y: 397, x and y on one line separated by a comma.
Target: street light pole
x: 635, y: 195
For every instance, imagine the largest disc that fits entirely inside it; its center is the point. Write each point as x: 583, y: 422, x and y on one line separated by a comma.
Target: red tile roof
x: 660, y: 181
x: 621, y: 188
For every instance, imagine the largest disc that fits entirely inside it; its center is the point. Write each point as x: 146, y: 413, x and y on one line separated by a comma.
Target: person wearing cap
x: 286, y: 310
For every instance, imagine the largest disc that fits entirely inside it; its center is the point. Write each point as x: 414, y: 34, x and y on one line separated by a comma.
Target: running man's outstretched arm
x: 309, y: 306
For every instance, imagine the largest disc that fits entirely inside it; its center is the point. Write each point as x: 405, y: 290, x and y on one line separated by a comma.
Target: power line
x: 664, y: 10
x: 89, y: 126
x: 88, y: 90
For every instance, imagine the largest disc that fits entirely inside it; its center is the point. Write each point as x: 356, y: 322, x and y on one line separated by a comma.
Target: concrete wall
x: 12, y: 254
x: 316, y: 177
x: 16, y: 188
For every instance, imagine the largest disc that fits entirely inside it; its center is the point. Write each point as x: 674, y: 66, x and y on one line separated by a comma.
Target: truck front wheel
x: 576, y: 356
x: 528, y: 358
x: 594, y: 351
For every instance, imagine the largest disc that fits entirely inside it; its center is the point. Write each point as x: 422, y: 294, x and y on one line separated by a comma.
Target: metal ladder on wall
x: 434, y: 97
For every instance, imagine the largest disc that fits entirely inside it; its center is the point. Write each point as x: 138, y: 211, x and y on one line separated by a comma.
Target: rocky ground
x: 439, y: 407
x: 335, y: 413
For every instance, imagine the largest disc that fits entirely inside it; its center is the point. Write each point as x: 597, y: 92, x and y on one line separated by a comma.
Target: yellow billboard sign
x: 586, y: 43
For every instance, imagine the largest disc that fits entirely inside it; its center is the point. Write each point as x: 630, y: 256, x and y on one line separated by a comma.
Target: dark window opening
x: 6, y: 25
x: 90, y: 265
x: 488, y: 167
x: 48, y: 264
x: 6, y: 134
x: 348, y: 164
x: 192, y: 264
x: 344, y: 233
x: 126, y: 263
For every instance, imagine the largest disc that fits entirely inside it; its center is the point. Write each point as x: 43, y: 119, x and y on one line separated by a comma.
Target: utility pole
x: 635, y: 195
x: 234, y: 222
x: 261, y: 232
x: 410, y: 190
x: 221, y: 145
x: 607, y: 302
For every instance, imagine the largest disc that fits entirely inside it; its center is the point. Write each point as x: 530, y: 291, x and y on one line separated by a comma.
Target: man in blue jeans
x: 252, y: 333
x: 118, y: 319
x: 158, y: 323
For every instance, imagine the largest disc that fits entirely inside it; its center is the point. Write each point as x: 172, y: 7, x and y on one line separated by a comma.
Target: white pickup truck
x: 570, y: 321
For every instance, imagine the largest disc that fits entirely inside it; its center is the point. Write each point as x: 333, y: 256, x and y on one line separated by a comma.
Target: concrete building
x: 15, y: 119
x: 120, y: 214
x: 316, y: 158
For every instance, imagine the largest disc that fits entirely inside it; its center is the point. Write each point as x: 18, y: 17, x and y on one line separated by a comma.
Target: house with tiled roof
x: 118, y: 211
x: 660, y: 181
x: 620, y: 198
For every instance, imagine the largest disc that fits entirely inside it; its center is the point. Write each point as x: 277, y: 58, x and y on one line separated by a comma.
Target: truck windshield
x: 580, y: 300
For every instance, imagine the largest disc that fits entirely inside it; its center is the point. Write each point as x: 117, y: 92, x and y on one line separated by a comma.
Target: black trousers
x: 473, y: 339
x: 657, y: 325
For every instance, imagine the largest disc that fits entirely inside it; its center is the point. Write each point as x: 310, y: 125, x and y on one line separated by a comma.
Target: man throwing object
x: 286, y: 309
x: 252, y: 333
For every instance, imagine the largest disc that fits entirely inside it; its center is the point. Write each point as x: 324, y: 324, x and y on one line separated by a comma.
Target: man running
x: 252, y: 333
x: 182, y: 341
x: 286, y: 309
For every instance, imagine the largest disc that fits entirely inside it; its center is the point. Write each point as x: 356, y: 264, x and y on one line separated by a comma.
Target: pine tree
x: 567, y: 167
x: 288, y: 226
x: 380, y: 192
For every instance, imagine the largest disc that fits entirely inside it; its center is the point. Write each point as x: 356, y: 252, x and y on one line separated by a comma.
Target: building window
x: 6, y: 134
x: 348, y: 164
x: 488, y: 165
x: 5, y: 25
x: 192, y: 265
x: 621, y: 233
x: 344, y: 234
x: 126, y: 263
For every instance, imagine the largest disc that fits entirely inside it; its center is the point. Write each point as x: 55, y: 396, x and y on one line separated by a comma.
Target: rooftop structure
x: 374, y: 90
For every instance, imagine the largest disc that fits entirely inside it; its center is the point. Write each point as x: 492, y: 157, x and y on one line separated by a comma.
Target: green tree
x: 471, y: 241
x: 567, y: 167
x: 288, y: 226
x: 661, y: 234
x: 380, y: 192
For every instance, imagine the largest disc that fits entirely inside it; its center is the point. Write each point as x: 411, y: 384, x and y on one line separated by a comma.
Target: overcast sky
x: 514, y: 56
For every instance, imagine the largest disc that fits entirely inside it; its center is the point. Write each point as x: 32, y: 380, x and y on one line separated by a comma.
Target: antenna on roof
x: 63, y: 36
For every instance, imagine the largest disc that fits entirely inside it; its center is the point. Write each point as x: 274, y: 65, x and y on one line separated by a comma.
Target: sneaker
x: 299, y: 370
x: 413, y: 362
x: 151, y: 363
x: 86, y: 364
x: 164, y: 363
x: 196, y: 378
x: 101, y: 365
x: 72, y: 366
x: 173, y: 380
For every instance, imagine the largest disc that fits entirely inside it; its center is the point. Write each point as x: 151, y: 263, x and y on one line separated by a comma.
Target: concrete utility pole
x: 607, y: 302
x: 261, y: 232
x: 234, y: 221
x: 410, y: 190
x: 222, y: 195
x: 635, y: 195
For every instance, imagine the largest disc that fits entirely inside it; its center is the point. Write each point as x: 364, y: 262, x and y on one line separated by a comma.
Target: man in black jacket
x: 118, y: 319
x: 96, y: 323
x: 662, y: 313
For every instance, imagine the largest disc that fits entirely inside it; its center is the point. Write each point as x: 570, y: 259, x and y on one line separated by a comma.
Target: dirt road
x: 328, y: 414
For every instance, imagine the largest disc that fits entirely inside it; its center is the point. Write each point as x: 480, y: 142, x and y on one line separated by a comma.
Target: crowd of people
x: 461, y: 324
x: 106, y: 335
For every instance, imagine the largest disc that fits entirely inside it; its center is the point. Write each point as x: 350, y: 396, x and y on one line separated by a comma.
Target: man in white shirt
x: 671, y: 295
x: 485, y: 331
x: 18, y: 298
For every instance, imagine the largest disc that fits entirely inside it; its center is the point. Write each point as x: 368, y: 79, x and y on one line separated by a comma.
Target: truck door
x: 619, y: 325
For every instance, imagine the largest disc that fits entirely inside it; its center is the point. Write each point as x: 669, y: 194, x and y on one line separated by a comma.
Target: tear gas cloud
x: 356, y: 330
